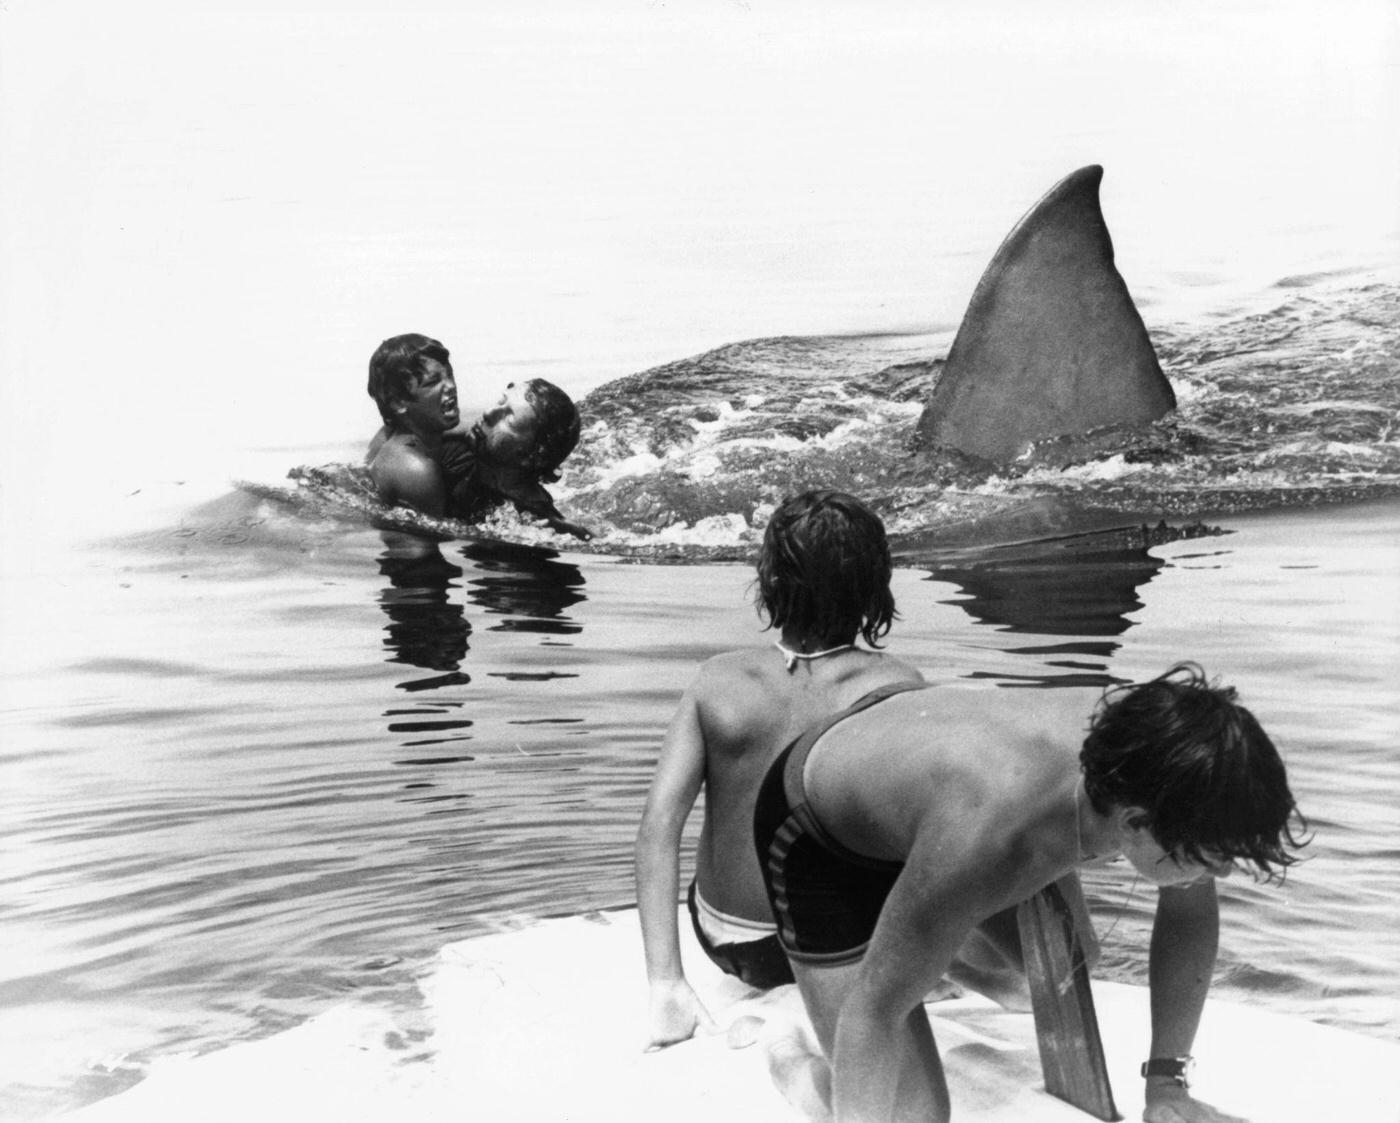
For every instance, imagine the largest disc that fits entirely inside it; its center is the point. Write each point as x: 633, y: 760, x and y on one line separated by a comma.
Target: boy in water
x: 823, y: 578
x: 908, y: 824
x: 419, y: 458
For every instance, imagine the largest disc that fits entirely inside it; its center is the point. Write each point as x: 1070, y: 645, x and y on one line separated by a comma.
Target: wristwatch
x: 1177, y: 1068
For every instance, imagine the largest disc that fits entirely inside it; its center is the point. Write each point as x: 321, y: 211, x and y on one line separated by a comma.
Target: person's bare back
x: 750, y: 707
x: 823, y: 576
x: 898, y: 841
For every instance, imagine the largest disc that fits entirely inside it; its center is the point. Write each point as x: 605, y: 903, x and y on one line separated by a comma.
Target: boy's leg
x: 799, y: 1066
x: 807, y: 1080
x: 991, y: 962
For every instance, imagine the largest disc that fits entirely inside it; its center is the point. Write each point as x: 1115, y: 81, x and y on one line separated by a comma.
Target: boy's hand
x: 676, y: 1013
x: 562, y: 526
x: 1171, y: 1103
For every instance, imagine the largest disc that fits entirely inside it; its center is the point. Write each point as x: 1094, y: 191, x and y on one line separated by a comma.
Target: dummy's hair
x: 558, y: 431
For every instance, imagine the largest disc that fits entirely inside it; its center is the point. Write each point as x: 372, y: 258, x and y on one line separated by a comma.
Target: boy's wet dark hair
x: 825, y: 569
x: 558, y: 430
x: 396, y: 365
x: 1207, y: 775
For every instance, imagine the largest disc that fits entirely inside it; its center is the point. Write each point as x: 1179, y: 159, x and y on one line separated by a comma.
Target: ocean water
x: 262, y: 758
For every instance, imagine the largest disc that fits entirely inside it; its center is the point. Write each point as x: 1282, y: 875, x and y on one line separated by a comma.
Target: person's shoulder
x: 376, y: 443
x: 402, y: 469
x: 731, y: 669
x: 878, y: 669
x: 400, y: 452
x: 744, y: 660
x: 889, y: 668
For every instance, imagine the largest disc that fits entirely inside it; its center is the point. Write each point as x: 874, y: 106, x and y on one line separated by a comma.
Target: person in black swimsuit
x: 826, y: 898
x: 823, y: 579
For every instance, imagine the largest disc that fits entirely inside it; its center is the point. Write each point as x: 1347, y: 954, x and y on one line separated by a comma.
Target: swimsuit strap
x: 792, y: 656
x: 802, y: 747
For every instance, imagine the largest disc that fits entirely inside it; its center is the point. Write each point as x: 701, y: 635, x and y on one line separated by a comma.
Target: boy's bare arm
x: 1185, y: 936
x: 563, y: 526
x: 675, y: 1010
x: 532, y: 498
x: 406, y: 477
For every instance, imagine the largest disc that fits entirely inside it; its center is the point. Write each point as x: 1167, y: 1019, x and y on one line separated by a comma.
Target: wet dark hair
x: 396, y: 365
x: 1199, y: 764
x: 825, y: 569
x: 558, y: 429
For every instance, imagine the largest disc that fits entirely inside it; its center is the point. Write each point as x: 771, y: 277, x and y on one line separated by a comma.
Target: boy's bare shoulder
x: 376, y: 443
x: 400, y: 451
x: 402, y: 470
x: 893, y: 669
x: 732, y: 669
x: 744, y: 661
x: 723, y: 676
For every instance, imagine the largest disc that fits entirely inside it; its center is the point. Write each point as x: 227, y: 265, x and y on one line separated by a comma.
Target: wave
x: 1295, y: 406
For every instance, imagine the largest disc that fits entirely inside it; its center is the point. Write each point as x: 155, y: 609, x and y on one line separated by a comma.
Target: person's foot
x: 744, y: 1031
x: 798, y: 1069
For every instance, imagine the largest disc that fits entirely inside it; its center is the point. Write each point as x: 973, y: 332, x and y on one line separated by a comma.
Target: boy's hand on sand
x: 676, y: 1012
x: 1173, y: 1104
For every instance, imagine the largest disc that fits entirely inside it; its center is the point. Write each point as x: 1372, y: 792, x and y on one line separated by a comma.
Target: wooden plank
x: 1066, y: 1028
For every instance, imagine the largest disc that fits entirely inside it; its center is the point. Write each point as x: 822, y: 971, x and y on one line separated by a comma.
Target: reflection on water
x: 527, y: 585
x: 428, y: 628
x: 425, y: 628
x: 1082, y: 588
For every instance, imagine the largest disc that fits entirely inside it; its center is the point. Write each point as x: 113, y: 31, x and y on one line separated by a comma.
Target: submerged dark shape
x: 1051, y: 343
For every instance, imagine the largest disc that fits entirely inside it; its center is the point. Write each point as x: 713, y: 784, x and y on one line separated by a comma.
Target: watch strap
x: 1177, y: 1068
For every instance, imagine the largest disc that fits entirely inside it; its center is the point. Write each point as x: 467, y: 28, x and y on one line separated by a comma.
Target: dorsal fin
x: 1051, y: 343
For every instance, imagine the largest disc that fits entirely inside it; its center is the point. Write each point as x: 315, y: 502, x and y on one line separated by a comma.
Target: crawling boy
x: 823, y: 578
x: 422, y: 459
x: 900, y: 834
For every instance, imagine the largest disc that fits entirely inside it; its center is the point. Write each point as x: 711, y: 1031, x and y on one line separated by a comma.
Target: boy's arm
x: 545, y: 509
x: 531, y: 498
x: 406, y: 477
x: 1185, y: 935
x: 675, y: 1010
x: 563, y: 526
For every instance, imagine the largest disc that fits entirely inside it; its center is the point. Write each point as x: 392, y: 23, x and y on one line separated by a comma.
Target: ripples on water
x: 271, y: 758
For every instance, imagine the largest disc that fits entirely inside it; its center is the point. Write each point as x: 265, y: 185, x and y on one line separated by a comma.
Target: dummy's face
x: 1163, y: 868
x: 431, y: 405
x: 509, y: 428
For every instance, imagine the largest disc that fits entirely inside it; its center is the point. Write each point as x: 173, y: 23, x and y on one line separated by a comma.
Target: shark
x: 1051, y: 344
